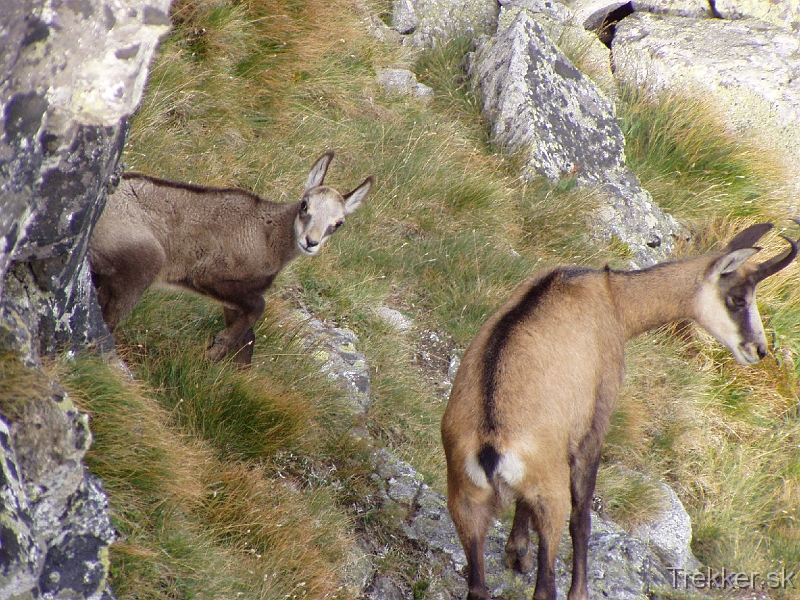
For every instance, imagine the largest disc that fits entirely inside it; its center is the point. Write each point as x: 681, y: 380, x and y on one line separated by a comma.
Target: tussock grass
x: 225, y: 481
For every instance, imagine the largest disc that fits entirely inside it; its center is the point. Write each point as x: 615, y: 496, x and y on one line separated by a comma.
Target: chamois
x: 533, y: 397
x: 228, y: 244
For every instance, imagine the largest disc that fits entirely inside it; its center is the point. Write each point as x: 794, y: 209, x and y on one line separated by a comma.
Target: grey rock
x: 749, y: 68
x: 592, y: 14
x: 785, y: 13
x: 670, y: 533
x: 394, y: 318
x: 444, y: 19
x: 334, y: 349
x: 64, y: 100
x: 539, y: 104
x: 677, y: 8
x: 404, y: 17
x: 53, y: 513
x: 404, y: 83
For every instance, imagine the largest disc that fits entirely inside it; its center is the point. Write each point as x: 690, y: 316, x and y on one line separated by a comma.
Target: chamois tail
x: 489, y: 458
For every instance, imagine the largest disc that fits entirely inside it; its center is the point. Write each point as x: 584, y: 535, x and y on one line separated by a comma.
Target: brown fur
x: 228, y: 244
x: 533, y: 397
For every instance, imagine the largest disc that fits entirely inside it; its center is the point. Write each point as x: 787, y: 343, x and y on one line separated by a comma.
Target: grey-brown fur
x: 532, y: 399
x: 228, y: 244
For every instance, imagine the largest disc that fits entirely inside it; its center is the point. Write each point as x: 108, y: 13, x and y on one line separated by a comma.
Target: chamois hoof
x: 216, y: 352
x: 478, y: 595
x: 519, y: 559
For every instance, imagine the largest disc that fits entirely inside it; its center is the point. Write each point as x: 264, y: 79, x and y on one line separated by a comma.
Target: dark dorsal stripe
x: 498, y: 339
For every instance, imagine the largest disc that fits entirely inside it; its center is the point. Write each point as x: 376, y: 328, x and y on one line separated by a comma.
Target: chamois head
x: 323, y: 209
x: 725, y: 302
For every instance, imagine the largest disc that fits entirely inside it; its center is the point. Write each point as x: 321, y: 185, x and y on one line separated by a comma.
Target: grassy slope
x: 231, y: 484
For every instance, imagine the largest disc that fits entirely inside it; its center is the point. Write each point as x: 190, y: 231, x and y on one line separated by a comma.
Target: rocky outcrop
x: 540, y: 104
x: 63, y: 103
x: 749, y: 68
x: 423, y: 22
x: 64, y: 99
x: 54, y: 526
x: 784, y: 13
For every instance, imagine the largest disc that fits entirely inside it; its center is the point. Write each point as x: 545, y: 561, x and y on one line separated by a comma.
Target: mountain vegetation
x: 230, y: 483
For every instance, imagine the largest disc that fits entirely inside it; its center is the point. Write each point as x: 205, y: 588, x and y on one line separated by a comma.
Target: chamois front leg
x: 239, y: 331
x: 243, y: 350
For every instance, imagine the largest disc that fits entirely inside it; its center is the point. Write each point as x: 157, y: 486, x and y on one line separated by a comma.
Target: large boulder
x: 785, y: 13
x: 63, y: 103
x: 54, y: 526
x: 750, y: 68
x: 539, y: 104
x: 423, y: 22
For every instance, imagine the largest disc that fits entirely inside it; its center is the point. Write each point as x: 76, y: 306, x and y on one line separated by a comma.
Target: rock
x: 404, y: 83
x: 591, y: 56
x: 427, y: 21
x: 394, y: 318
x: 750, y: 68
x: 670, y: 533
x: 54, y: 524
x: 595, y: 14
x: 64, y: 100
x: 785, y: 13
x: 621, y: 566
x: 404, y: 18
x: 676, y: 8
x: 538, y: 103
x: 334, y: 348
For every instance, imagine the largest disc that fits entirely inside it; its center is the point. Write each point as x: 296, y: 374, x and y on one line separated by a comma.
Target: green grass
x: 212, y: 471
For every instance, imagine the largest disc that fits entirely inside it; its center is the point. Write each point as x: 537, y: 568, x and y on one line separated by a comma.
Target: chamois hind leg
x: 583, y: 475
x: 121, y: 279
x: 472, y: 511
x: 518, y: 547
x: 548, y: 504
x: 249, y: 308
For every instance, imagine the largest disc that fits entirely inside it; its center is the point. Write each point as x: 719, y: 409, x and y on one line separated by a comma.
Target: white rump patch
x: 510, y: 469
x: 475, y: 472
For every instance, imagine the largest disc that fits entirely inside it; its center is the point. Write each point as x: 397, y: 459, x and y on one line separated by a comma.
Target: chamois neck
x: 284, y: 241
x: 655, y: 296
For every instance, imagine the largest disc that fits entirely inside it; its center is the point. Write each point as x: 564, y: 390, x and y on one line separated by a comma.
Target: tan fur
x: 556, y: 381
x: 228, y: 244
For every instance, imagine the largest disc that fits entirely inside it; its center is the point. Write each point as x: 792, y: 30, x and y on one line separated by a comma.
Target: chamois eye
x: 304, y: 207
x: 736, y: 302
x: 337, y: 225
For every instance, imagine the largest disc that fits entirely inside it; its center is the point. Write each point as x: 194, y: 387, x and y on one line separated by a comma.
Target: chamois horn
x: 776, y: 263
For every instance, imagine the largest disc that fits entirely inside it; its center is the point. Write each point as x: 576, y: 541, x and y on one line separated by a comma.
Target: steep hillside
x: 248, y: 484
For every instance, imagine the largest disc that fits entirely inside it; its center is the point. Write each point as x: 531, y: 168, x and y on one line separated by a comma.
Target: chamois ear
x: 353, y: 199
x: 732, y: 261
x: 318, y: 171
x: 748, y: 237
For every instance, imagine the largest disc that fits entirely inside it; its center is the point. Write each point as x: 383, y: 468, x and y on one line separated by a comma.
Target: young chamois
x: 228, y: 244
x: 532, y: 399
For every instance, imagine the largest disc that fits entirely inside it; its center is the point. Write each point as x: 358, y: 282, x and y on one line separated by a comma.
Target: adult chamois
x: 532, y: 399
x: 228, y: 244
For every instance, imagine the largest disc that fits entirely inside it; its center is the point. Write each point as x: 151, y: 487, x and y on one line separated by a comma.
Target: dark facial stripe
x: 498, y: 339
